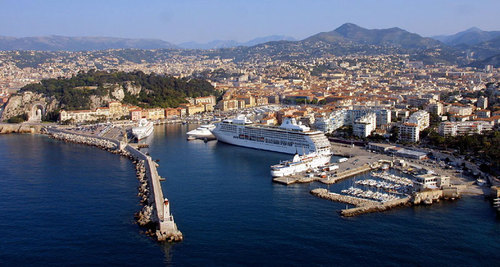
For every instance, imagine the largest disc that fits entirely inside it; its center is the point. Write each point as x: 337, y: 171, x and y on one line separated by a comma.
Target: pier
x: 155, y: 213
x: 362, y: 205
x: 331, y: 176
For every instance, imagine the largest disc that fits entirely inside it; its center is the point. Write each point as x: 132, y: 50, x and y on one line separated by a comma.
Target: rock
x: 118, y: 93
x: 132, y: 89
x: 20, y: 128
x: 23, y: 103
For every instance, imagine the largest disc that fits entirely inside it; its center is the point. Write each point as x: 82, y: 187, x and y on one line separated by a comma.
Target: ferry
x: 288, y: 138
x: 204, y: 131
x: 300, y: 164
x: 144, y: 129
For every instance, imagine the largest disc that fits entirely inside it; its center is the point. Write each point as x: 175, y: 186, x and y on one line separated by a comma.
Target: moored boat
x: 143, y: 130
x: 203, y: 131
x: 289, y: 137
x: 300, y: 164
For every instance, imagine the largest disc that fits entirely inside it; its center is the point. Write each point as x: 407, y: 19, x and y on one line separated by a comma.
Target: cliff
x: 28, y: 103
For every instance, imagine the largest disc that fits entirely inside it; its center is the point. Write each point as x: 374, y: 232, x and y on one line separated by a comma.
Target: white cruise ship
x: 204, y: 131
x: 300, y: 164
x: 288, y: 138
x: 144, y: 129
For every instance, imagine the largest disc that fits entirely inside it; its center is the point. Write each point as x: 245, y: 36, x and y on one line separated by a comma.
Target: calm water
x: 73, y: 205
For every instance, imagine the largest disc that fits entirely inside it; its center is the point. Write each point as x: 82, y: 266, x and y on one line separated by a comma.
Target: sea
x: 64, y: 204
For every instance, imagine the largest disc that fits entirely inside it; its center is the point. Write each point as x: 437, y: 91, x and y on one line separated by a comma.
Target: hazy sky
x: 203, y: 20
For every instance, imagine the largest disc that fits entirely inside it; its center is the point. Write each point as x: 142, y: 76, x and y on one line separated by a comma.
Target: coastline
x: 8, y: 128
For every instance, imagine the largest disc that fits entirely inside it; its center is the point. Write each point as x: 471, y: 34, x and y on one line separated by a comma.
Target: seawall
x: 155, y: 213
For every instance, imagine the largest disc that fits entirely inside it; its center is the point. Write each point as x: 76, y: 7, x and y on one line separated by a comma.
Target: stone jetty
x: 362, y: 205
x: 155, y: 213
x: 323, y: 193
x: 375, y: 208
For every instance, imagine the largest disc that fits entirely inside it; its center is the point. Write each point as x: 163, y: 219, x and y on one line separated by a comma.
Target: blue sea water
x: 67, y: 204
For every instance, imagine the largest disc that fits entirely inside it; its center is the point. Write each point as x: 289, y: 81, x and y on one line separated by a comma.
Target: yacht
x: 300, y: 164
x: 144, y: 129
x: 204, y: 131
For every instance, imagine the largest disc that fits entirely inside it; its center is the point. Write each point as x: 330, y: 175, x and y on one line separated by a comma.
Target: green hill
x: 155, y: 90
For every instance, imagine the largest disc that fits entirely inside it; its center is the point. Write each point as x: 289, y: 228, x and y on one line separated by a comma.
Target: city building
x: 463, y: 128
x: 420, y: 118
x: 482, y: 102
x: 364, y: 126
x: 409, y: 132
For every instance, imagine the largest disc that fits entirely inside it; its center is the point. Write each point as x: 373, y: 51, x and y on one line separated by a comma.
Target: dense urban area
x: 419, y: 102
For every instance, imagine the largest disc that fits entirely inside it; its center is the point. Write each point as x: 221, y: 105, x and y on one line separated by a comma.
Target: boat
x: 203, y: 131
x: 288, y: 138
x: 496, y: 202
x: 300, y: 164
x: 481, y: 182
x: 144, y: 129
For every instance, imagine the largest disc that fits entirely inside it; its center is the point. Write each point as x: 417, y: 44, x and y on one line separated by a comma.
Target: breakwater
x: 155, y: 213
x: 363, y: 205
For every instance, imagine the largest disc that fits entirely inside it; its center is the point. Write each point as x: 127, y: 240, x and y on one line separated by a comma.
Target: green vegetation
x: 18, y: 118
x: 157, y: 90
x: 483, y: 146
x: 51, y: 116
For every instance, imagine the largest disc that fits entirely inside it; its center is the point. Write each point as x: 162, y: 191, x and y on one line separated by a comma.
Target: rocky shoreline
x: 146, y: 216
x: 8, y: 128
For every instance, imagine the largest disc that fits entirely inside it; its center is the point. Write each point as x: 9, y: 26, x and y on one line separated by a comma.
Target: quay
x: 332, y: 177
x: 155, y: 213
x: 363, y: 205
x: 323, y: 193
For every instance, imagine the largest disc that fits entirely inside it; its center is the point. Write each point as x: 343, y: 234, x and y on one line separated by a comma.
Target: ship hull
x: 287, y: 139
x: 254, y: 144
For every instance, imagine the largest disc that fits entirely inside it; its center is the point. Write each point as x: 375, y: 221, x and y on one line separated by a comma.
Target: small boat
x: 481, y: 182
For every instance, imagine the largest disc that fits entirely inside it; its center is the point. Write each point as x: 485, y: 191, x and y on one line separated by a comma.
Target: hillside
x: 64, y: 43
x: 472, y: 36
x: 86, y: 90
x: 231, y: 43
x: 397, y: 37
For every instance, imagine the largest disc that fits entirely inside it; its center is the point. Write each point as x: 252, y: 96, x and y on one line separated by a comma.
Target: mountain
x: 485, y: 53
x: 64, y: 43
x: 270, y: 38
x: 470, y: 36
x: 493, y: 60
x: 230, y: 43
x: 352, y: 33
x: 209, y: 45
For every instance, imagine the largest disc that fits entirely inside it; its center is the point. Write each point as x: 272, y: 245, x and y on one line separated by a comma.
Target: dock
x: 323, y: 193
x: 362, y: 205
x: 332, y: 177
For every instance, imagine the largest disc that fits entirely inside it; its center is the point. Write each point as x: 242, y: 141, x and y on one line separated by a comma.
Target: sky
x: 179, y: 21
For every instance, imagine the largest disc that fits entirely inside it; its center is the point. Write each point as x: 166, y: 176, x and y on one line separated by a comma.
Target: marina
x: 219, y: 174
x: 388, y: 181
